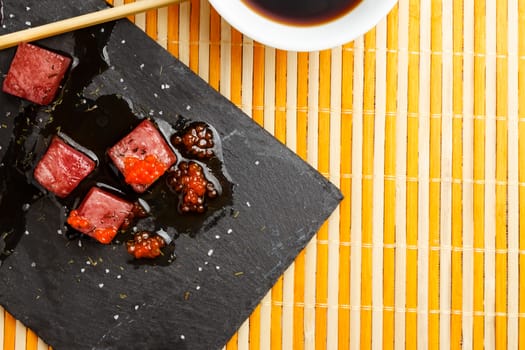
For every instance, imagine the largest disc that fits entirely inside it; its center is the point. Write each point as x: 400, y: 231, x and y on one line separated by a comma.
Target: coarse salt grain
x: 107, y: 270
x: 210, y: 252
x: 28, y: 23
x: 136, y: 307
x: 33, y: 264
x: 198, y: 287
x: 100, y: 285
x: 115, y: 317
x: 200, y: 269
x: 248, y: 204
x: 123, y: 42
x: 82, y: 270
x: 230, y: 231
x: 119, y: 277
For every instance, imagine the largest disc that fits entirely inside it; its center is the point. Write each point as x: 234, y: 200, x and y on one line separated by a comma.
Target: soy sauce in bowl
x: 302, y: 12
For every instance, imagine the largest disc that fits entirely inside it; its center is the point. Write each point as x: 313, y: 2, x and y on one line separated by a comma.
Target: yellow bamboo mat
x: 419, y: 122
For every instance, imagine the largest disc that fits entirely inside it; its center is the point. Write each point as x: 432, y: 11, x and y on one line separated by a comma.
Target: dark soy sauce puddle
x: 302, y: 12
x: 96, y: 125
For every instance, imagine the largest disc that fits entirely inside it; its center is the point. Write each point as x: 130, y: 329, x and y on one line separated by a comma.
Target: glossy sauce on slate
x: 95, y: 124
x: 302, y: 12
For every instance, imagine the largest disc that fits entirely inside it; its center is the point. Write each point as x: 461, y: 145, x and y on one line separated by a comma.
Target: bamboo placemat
x: 419, y: 123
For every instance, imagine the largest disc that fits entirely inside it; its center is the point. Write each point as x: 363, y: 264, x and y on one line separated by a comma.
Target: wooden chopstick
x: 83, y: 21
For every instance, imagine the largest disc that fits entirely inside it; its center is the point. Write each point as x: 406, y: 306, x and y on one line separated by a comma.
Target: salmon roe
x: 145, y: 245
x: 104, y: 235
x: 189, y: 180
x: 142, y: 171
x: 78, y: 222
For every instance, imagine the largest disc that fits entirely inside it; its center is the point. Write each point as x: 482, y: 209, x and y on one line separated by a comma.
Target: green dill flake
x: 96, y: 92
x: 92, y: 108
x: 59, y: 100
x: 6, y: 233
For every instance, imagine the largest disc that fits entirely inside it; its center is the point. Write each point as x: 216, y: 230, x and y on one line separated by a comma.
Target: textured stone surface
x: 88, y: 296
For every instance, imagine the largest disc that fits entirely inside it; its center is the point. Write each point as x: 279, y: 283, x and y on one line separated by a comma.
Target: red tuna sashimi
x: 100, y: 215
x: 142, y: 156
x: 35, y: 74
x: 62, y: 168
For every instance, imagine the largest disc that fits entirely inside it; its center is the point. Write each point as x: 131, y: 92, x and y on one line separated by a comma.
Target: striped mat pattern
x: 419, y: 122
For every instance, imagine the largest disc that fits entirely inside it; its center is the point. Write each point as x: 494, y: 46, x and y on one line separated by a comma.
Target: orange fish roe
x: 105, y: 235
x: 143, y: 171
x: 78, y: 222
x: 145, y: 245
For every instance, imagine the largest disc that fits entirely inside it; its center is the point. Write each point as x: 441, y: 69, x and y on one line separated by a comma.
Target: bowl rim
x: 303, y: 38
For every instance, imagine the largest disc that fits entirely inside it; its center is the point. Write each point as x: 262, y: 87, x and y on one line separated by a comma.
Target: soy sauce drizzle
x: 32, y: 126
x: 96, y: 124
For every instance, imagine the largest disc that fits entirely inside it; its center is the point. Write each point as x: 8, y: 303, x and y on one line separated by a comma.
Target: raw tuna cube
x: 35, y: 74
x: 142, y: 156
x: 62, y: 168
x: 100, y: 215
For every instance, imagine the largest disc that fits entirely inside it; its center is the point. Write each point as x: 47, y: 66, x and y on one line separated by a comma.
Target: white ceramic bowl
x: 303, y: 38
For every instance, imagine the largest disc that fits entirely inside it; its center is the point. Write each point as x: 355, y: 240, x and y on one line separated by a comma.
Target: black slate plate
x: 88, y: 296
